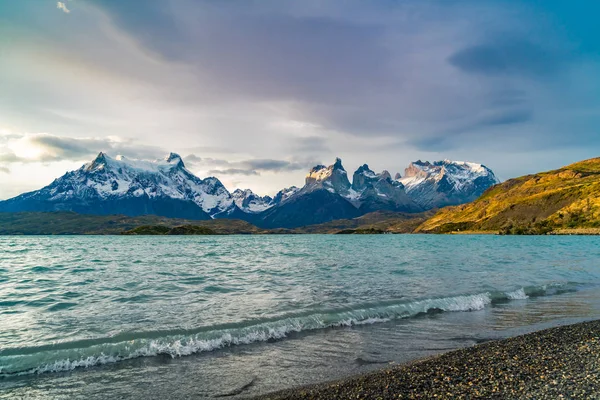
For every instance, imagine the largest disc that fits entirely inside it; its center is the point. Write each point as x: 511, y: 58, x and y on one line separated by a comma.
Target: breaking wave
x: 86, y: 353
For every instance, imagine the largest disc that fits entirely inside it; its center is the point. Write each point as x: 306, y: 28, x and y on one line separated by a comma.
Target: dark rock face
x: 443, y: 183
x: 308, y: 208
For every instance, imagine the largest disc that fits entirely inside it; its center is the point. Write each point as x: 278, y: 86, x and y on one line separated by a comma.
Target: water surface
x: 98, y: 316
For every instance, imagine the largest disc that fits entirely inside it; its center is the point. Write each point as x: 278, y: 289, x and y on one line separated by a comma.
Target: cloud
x: 275, y: 165
x: 205, y: 161
x: 8, y: 157
x: 31, y: 148
x: 275, y: 84
x: 5, y: 170
x: 233, y: 171
x: 62, y: 6
x: 309, y: 144
x: 192, y: 158
x: 518, y: 56
x: 46, y: 148
x: 248, y: 167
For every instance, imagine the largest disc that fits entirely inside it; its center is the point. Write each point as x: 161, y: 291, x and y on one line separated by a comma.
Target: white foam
x: 188, y: 343
x: 518, y: 294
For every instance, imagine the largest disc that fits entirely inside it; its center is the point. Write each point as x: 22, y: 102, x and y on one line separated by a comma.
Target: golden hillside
x: 566, y: 198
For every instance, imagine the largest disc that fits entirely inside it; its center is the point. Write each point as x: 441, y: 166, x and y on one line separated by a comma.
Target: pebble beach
x: 561, y: 362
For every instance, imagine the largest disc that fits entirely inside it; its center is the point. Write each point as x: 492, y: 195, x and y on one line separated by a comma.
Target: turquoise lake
x: 236, y: 316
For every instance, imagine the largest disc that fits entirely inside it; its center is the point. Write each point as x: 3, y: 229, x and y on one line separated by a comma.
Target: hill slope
x: 565, y: 198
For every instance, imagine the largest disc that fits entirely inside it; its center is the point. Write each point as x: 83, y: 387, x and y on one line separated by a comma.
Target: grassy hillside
x: 70, y: 223
x: 564, y: 199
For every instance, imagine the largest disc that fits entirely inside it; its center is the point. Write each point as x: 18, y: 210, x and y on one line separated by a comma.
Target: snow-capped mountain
x: 380, y: 192
x: 446, y: 182
x: 368, y: 190
x: 132, y: 187
x: 167, y: 188
x: 328, y: 195
x: 249, y: 202
x: 322, y: 198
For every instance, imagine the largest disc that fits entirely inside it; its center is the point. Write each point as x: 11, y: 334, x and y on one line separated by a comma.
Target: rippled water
x: 98, y: 316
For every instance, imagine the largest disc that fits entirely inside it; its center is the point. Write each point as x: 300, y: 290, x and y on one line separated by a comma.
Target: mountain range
x: 107, y: 186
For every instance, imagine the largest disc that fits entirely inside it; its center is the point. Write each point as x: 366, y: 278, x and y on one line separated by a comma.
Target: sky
x: 257, y: 92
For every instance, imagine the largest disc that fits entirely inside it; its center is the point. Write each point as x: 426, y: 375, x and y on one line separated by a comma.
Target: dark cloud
x: 505, y: 117
x: 62, y: 148
x: 271, y: 82
x: 472, y: 130
x: 274, y: 165
x: 261, y: 54
x: 517, y: 56
x: 248, y: 167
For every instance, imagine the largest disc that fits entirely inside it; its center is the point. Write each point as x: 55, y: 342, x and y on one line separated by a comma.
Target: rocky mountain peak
x: 362, y: 177
x: 99, y: 162
x: 338, y: 164
x: 333, y: 178
x: 173, y: 157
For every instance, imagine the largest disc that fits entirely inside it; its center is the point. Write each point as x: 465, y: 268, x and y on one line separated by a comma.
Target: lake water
x: 236, y: 316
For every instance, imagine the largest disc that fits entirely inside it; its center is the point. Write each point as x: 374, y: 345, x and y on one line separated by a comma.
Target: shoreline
x: 560, y: 362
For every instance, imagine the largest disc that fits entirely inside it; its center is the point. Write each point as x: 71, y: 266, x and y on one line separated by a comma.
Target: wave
x: 90, y: 352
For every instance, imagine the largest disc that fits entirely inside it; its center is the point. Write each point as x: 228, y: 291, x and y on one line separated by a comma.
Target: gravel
x: 562, y: 362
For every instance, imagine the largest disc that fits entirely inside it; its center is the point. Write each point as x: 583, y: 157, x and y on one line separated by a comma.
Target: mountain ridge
x: 165, y: 187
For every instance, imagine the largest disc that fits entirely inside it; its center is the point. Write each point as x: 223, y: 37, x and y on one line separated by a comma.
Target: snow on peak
x: 120, y: 162
x: 461, y: 175
x: 366, y: 171
x: 119, y: 177
x: 285, y: 194
x: 249, y: 202
x: 476, y: 168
